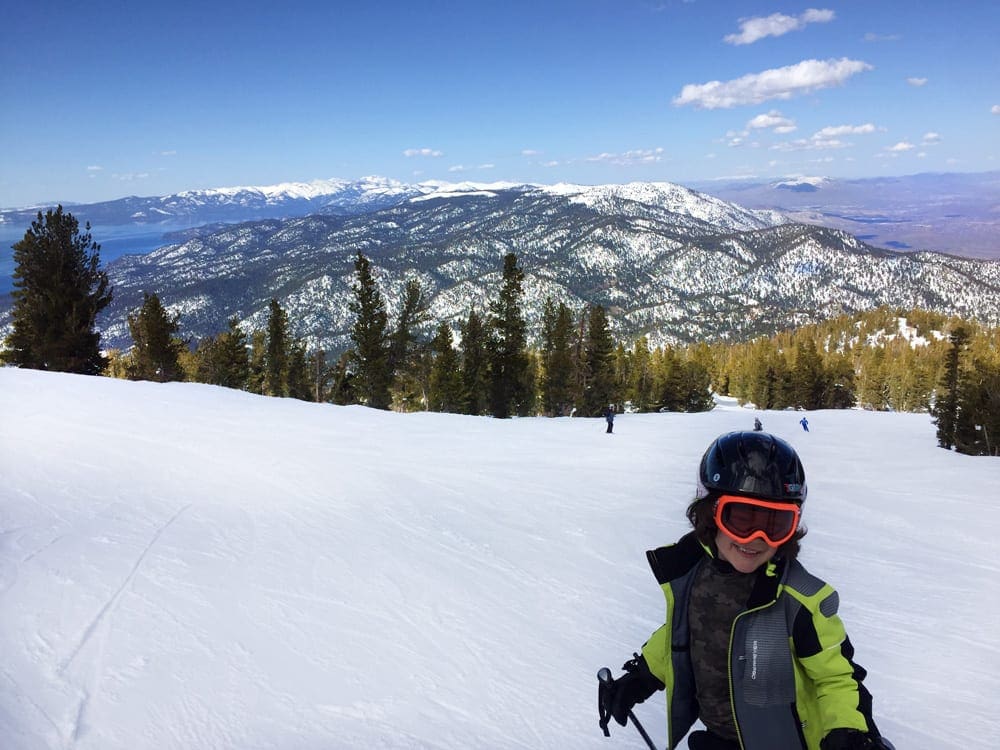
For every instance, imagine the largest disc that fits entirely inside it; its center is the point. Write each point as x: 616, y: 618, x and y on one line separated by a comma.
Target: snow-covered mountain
x: 665, y: 261
x: 238, y: 204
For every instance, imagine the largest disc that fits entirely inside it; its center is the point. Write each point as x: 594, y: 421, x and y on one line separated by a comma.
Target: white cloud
x: 916, y: 81
x: 870, y: 37
x: 995, y: 109
x: 168, y: 153
x: 900, y: 147
x: 773, y: 120
x: 550, y: 164
x: 776, y: 24
x: 423, y: 152
x: 630, y: 158
x: 530, y: 152
x: 931, y: 138
x: 131, y: 176
x: 837, y: 130
x: 777, y: 83
x: 463, y: 168
x: 94, y: 168
x: 809, y: 144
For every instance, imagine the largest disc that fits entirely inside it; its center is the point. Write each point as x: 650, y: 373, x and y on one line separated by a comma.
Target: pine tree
x: 370, y: 357
x: 206, y: 366
x: 258, y: 362
x: 320, y: 375
x: 59, y: 290
x: 641, y: 382
x: 278, y: 347
x: 670, y: 380
x: 508, y: 337
x: 807, y: 376
x: 548, y: 328
x: 410, y: 356
x: 528, y: 385
x: 599, y: 362
x: 445, y: 392
x: 342, y: 381
x: 621, y: 365
x: 557, y: 360
x: 873, y: 390
x: 695, y: 387
x: 977, y: 426
x: 412, y: 383
x: 156, y: 351
x: 946, y: 402
x: 298, y: 378
x: 233, y: 356
x: 839, y: 392
x: 412, y: 315
x: 475, y: 365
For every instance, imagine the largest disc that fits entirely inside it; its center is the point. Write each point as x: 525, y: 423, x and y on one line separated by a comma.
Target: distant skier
x: 609, y: 416
x: 757, y: 426
x: 805, y: 424
x: 752, y: 644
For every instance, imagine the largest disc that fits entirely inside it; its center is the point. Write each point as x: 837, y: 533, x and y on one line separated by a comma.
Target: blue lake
x: 115, y: 241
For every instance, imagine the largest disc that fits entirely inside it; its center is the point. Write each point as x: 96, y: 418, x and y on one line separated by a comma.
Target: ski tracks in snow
x: 99, y: 627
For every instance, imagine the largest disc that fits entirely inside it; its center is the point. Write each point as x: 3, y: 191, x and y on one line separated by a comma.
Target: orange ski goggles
x: 744, y: 519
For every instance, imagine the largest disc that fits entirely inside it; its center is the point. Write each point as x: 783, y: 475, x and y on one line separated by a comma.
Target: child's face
x: 746, y: 558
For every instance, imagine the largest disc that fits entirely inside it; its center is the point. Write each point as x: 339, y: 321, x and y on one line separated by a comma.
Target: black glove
x: 616, y: 698
x: 847, y: 739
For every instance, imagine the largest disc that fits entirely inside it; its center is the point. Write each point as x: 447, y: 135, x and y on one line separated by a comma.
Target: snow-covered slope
x: 186, y: 567
x: 673, y: 198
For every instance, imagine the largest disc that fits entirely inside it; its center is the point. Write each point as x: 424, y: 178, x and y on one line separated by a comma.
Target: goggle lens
x: 744, y: 519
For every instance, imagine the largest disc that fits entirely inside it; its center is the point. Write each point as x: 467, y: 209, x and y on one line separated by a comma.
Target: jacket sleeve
x: 657, y: 656
x: 827, y: 657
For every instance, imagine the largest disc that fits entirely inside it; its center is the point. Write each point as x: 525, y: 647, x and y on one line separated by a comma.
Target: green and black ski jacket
x: 792, y: 678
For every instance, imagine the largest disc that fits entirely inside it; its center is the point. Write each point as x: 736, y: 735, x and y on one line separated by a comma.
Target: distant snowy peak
x: 666, y: 196
x: 315, y: 190
x: 802, y: 184
x: 432, y: 189
x: 674, y: 198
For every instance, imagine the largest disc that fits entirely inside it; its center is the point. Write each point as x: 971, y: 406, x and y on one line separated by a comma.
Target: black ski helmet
x: 757, y: 464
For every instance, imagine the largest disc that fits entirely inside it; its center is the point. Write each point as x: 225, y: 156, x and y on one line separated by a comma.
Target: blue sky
x: 107, y: 99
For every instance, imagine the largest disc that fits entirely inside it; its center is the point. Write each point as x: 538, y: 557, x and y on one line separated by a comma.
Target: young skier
x: 752, y: 643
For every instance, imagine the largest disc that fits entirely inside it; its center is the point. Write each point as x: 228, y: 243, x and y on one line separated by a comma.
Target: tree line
x: 946, y: 366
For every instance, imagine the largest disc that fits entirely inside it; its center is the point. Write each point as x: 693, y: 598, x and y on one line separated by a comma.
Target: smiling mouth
x: 746, y: 551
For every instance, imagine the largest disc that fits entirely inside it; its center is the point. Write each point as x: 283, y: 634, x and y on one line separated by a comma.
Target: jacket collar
x: 675, y: 560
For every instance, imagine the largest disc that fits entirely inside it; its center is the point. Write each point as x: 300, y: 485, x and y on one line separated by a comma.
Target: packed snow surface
x: 185, y: 566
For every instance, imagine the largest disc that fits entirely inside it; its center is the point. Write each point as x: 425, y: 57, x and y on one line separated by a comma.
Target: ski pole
x: 604, y: 675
